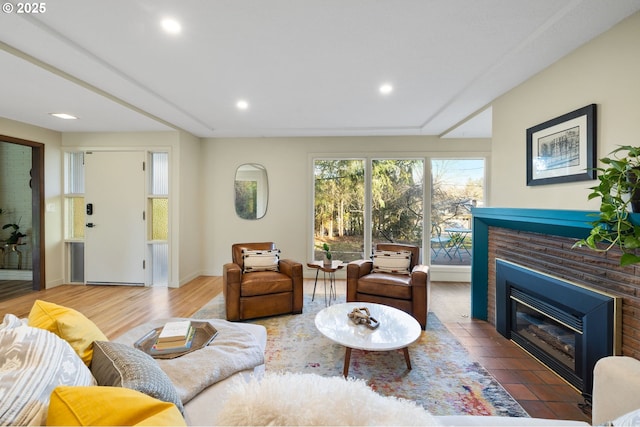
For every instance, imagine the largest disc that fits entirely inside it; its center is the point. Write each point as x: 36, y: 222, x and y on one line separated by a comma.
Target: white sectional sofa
x: 616, y: 395
x: 616, y: 392
x: 203, y: 409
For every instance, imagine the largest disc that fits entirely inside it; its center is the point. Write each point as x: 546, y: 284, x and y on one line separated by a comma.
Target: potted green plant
x: 16, y: 235
x: 619, y: 192
x: 327, y: 254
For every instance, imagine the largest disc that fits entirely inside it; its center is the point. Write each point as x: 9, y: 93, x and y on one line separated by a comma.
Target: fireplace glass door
x: 556, y: 340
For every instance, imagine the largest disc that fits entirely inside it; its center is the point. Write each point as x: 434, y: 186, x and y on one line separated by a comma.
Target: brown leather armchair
x: 261, y: 293
x: 407, y: 292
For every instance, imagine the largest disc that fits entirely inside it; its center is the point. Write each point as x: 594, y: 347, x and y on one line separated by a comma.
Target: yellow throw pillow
x: 109, y: 406
x: 69, y: 324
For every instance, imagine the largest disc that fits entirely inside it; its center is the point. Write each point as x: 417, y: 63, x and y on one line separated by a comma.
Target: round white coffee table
x: 397, y: 329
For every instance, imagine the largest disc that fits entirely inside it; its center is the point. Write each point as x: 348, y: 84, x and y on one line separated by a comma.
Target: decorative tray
x: 205, y: 333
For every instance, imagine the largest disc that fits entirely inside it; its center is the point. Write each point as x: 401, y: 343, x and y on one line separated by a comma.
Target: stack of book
x: 174, y: 337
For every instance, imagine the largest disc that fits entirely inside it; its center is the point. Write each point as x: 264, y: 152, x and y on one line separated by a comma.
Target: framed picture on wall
x: 563, y: 149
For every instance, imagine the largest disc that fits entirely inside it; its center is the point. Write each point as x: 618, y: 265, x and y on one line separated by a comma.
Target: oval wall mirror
x: 251, y: 191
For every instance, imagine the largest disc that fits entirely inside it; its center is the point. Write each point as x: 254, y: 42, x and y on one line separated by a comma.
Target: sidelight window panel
x: 74, y: 173
x: 74, y: 195
x: 75, y: 217
x: 159, y: 174
x: 159, y: 218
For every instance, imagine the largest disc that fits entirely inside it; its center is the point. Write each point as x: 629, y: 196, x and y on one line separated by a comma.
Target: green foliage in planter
x: 618, y: 185
x: 15, y: 235
x: 326, y: 250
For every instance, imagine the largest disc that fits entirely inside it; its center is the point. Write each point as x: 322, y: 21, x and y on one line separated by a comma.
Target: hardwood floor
x: 14, y: 288
x: 115, y: 309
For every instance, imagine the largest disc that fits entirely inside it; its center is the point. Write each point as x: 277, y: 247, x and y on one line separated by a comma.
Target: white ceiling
x: 306, y: 67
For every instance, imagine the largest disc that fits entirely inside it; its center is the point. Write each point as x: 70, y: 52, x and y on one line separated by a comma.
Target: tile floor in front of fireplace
x: 538, y: 390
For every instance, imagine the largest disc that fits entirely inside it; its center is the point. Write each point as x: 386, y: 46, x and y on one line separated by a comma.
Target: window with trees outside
x: 339, y: 208
x: 457, y: 185
x: 352, y: 212
x: 396, y: 198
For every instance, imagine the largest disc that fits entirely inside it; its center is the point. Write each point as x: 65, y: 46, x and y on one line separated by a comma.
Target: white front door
x: 115, y: 224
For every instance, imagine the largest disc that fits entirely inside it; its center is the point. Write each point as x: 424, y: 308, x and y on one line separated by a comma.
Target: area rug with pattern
x: 444, y: 379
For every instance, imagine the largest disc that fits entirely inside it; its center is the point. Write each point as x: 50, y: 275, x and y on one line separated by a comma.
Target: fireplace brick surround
x: 542, y: 240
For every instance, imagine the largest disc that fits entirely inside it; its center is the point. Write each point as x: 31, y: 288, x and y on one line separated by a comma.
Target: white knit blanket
x: 232, y: 350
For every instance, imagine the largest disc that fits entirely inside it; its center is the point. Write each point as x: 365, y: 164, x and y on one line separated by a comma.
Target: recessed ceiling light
x: 64, y: 116
x: 171, y: 26
x: 386, y: 89
x: 242, y: 104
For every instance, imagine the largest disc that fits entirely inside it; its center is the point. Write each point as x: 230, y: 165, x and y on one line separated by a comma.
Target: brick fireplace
x: 542, y: 240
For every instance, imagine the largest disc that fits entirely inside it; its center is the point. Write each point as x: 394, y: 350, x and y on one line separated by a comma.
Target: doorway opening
x: 21, y: 216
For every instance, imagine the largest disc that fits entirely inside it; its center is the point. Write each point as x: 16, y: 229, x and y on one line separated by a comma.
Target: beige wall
x: 606, y: 72
x: 188, y: 201
x: 288, y: 161
x: 54, y: 272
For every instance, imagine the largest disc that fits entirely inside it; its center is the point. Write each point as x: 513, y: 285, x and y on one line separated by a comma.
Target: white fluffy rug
x: 307, y: 399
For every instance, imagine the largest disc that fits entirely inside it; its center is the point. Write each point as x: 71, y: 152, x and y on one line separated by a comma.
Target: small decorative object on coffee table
x: 397, y: 329
x: 361, y: 316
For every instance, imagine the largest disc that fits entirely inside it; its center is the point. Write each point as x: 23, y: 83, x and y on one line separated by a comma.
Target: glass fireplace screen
x: 555, y: 339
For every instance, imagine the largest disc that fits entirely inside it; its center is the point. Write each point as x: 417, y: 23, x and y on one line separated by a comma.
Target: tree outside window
x: 397, y: 188
x: 457, y: 185
x: 339, y: 208
x: 396, y: 206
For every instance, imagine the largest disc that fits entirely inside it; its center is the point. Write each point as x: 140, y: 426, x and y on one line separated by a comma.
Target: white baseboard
x: 450, y: 273
x: 187, y: 279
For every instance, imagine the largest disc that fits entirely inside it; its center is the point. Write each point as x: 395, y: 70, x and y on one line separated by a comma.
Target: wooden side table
x: 326, y: 269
